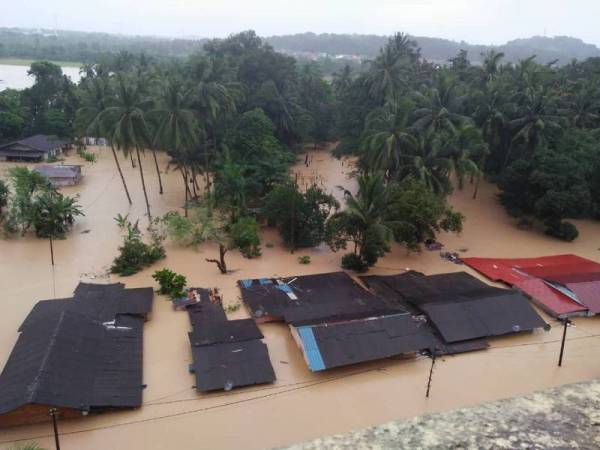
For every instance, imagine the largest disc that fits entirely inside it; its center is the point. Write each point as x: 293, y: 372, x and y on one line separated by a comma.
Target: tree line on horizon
x: 231, y: 119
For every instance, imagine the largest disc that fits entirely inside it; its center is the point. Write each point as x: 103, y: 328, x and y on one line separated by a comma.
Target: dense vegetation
x: 532, y: 128
x: 89, y: 47
x: 231, y: 119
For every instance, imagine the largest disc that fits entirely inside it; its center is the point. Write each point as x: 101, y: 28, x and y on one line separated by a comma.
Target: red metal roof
x: 524, y: 273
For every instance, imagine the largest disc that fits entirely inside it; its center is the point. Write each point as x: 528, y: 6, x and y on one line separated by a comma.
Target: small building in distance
x: 61, y: 175
x: 33, y: 149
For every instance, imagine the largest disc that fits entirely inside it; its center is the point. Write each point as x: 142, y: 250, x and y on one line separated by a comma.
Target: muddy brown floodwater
x: 300, y: 405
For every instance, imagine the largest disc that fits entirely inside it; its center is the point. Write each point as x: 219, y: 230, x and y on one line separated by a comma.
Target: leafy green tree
x: 12, y: 115
x: 4, y: 193
x: 418, y: 214
x: 299, y: 216
x: 252, y: 145
x: 52, y: 216
x: 245, y: 236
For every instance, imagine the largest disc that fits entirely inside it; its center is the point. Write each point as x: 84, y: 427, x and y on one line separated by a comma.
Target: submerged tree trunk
x: 186, y: 190
x: 51, y: 251
x: 137, y: 151
x: 160, y: 185
x: 476, y: 190
x: 121, y: 173
x: 221, y: 261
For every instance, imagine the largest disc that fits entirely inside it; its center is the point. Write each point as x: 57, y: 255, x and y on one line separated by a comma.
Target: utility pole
x: 566, y: 323
x: 53, y: 414
x: 433, y: 354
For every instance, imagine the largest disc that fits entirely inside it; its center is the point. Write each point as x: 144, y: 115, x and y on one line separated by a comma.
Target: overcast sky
x: 475, y: 21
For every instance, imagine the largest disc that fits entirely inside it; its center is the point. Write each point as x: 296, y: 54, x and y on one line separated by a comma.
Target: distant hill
x: 561, y: 48
x: 82, y: 46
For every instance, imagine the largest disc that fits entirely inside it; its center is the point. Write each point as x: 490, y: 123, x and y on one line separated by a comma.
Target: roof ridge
x: 33, y: 386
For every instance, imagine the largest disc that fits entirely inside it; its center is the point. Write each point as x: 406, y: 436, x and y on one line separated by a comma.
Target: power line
x: 264, y: 396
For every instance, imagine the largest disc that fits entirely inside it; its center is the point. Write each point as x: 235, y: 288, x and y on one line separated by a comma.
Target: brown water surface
x: 300, y: 405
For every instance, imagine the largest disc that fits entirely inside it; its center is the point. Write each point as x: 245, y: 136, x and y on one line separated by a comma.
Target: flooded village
x: 300, y: 404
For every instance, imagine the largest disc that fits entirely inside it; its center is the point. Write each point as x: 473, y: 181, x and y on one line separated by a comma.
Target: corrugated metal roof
x: 59, y: 171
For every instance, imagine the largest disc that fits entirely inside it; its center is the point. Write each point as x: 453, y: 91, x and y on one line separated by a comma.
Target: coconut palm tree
x: 96, y: 96
x: 388, y: 136
x: 428, y: 163
x: 438, y: 106
x: 126, y: 123
x: 583, y: 103
x: 491, y: 64
x: 466, y: 150
x: 366, y: 210
x: 536, y: 116
x: 177, y: 129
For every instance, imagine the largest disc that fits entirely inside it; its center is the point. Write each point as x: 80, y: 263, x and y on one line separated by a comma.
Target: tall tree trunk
x: 51, y: 251
x: 137, y: 151
x: 160, y: 186
x: 121, y: 173
x: 476, y: 187
x: 185, y: 182
x: 132, y: 161
x: 193, y: 183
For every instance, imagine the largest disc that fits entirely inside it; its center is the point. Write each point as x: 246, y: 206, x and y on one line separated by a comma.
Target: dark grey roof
x: 102, y: 302
x: 208, y: 333
x: 337, y: 344
x: 37, y: 143
x: 226, y: 353
x: 225, y: 366
x: 459, y: 305
x: 321, y: 297
x: 73, y: 361
x: 59, y: 171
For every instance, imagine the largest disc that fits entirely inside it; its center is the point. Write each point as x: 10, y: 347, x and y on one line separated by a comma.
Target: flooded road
x: 300, y: 405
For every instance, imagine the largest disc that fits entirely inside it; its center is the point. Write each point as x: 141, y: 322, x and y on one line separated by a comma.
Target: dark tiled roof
x: 75, y: 362
x: 459, y: 305
x: 102, y: 302
x: 319, y: 298
x: 37, y: 143
x: 225, y: 366
x: 226, y: 353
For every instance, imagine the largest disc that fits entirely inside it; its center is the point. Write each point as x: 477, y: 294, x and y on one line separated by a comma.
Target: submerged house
x: 336, y: 322
x: 226, y: 353
x: 33, y: 149
x: 78, y: 355
x: 61, y: 175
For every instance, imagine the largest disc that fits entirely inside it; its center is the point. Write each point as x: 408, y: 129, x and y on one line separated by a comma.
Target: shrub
x: 171, y: 283
x: 135, y: 254
x: 233, y: 308
x: 88, y: 156
x: 565, y: 231
x: 351, y: 261
x: 244, y: 234
x: 304, y: 259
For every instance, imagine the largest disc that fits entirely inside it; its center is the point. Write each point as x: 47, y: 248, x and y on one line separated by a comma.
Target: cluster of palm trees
x: 431, y: 122
x: 422, y: 135
x: 146, y: 110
